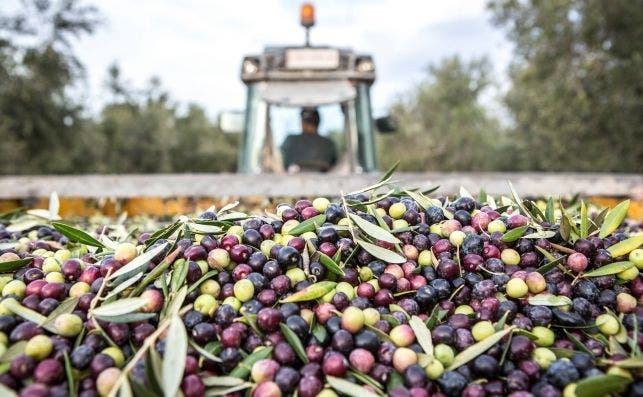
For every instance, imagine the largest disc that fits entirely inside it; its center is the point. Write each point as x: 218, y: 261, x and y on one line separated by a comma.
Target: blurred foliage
x: 575, y: 101
x: 443, y: 126
x: 577, y: 83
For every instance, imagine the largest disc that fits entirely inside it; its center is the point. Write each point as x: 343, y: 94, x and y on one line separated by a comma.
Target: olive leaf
x: 549, y: 211
x: 65, y: 307
x: 14, y: 351
x: 540, y: 234
x: 366, y: 380
x: 584, y: 220
x: 127, y: 318
x: 309, y: 225
x: 374, y: 231
x: 69, y: 373
x: 312, y: 292
x: 477, y: 349
x: 206, y: 354
x: 22, y: 225
x: 176, y: 348
x: 614, y: 218
x: 228, y: 207
x: 626, y: 246
x: 381, y: 253
x: 421, y: 199
x: 514, y: 234
x: 76, y: 235
x: 348, y: 388
x: 139, y: 263
x: 330, y: 264
x: 123, y: 286
x: 389, y: 172
x: 242, y: 370
x: 464, y: 192
x: 294, y: 342
x: 164, y: 233
x: 632, y: 362
x: 176, y: 302
x: 179, y: 275
x: 5, y: 391
x: 612, y: 268
x: 221, y: 381
x: 422, y: 334
x: 518, y: 200
x: 119, y: 307
x: 546, y: 299
x: 10, y: 266
x: 565, y: 227
x: 24, y: 312
x: 601, y: 385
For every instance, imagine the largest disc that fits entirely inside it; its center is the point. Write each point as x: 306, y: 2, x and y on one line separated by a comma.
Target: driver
x: 308, y: 151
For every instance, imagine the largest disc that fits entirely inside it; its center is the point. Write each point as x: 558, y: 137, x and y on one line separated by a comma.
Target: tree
x: 38, y: 116
x: 576, y: 95
x: 443, y: 126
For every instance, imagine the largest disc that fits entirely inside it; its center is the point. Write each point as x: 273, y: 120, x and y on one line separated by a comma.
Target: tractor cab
x: 284, y: 84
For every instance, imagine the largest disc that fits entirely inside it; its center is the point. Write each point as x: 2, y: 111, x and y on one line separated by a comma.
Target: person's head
x: 309, y: 120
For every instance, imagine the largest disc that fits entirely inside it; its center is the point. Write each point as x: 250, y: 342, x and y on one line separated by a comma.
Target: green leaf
x: 614, y: 218
x: 10, y: 266
x: 311, y: 292
x: 127, y: 318
x: 198, y: 282
x: 374, y: 231
x: 71, y: 383
x: 123, y: 286
x: 421, y: 199
x: 5, y: 391
x: 176, y: 302
x: 366, y: 379
x: 626, y: 246
x: 221, y: 381
x: 422, y: 334
x: 13, y: 351
x: 243, y: 368
x: 24, y: 312
x: 320, y: 333
x: 65, y: 307
x: 518, y: 200
x: 514, y: 234
x: 565, y: 227
x: 601, y: 385
x: 381, y: 253
x: 294, y: 342
x: 540, y: 234
x: 309, y: 225
x: 348, y: 388
x: 612, y: 268
x: 546, y: 299
x: 76, y: 235
x: 119, y: 307
x: 139, y: 263
x: 584, y: 220
x: 549, y: 211
x: 179, y: 274
x: 387, y: 174
x: 477, y: 349
x: 176, y: 348
x: 633, y: 362
x: 203, y: 352
x: 330, y: 264
x: 163, y: 233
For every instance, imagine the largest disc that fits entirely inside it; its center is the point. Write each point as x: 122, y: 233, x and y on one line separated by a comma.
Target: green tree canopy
x: 443, y: 125
x: 577, y: 83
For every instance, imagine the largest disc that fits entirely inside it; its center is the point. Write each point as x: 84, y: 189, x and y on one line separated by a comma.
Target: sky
x: 196, y: 46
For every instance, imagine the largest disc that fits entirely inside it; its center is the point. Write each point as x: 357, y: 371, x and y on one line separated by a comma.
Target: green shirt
x: 310, y: 152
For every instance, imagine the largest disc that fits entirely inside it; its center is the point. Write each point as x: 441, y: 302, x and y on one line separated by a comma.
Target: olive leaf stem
x: 562, y: 249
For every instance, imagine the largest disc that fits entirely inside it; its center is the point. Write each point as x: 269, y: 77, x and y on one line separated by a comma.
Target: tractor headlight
x: 250, y: 66
x: 365, y: 65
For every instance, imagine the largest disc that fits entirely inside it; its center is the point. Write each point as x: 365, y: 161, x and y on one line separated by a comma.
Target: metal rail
x: 307, y: 185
